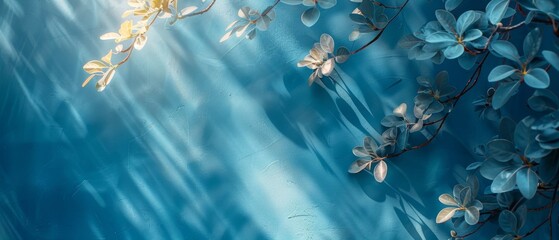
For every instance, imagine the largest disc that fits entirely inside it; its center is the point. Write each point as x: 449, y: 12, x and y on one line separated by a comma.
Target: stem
x: 382, y: 30
x: 270, y: 8
x: 469, y: 85
x: 199, y: 12
x: 130, y: 48
x: 472, y: 232
x: 547, y: 219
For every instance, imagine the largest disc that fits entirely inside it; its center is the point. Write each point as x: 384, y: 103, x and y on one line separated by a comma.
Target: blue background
x: 195, y: 139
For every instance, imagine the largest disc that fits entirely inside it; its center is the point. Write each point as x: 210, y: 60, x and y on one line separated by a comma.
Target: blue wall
x: 195, y: 139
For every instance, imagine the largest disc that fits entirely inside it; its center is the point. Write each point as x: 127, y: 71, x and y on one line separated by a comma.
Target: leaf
x: 440, y: 37
x: 326, y: 4
x: 140, y: 42
x: 109, y: 36
x: 107, y: 58
x: 358, y: 165
x: 453, y: 52
x: 496, y: 10
x: 501, y: 72
x: 537, y: 78
x: 471, y: 215
x: 447, y: 20
x: 188, y: 10
x: 536, y: 150
x: 543, y: 100
x: 508, y: 221
x: 328, y: 67
x: 527, y: 181
x: 474, y: 166
x: 370, y: 144
x: 408, y: 41
x: 505, y: 199
x: 244, y: 12
x: 445, y: 214
x: 465, y: 21
x: 504, y: 92
x: 452, y: 4
x: 105, y: 80
x: 448, y: 200
x: 491, y: 168
x: 251, y: 34
x: 87, y: 80
x: 501, y: 150
x: 506, y: 50
x: 391, y: 121
x: 552, y: 58
x: 94, y: 66
x: 521, y: 212
x: 467, y: 61
x: 472, y: 35
x: 360, y: 152
x: 327, y: 43
x: 310, y: 16
x: 240, y: 31
x: 504, y: 182
x: 532, y: 43
x: 342, y: 55
x: 523, y: 133
x: 381, y: 169
x: 400, y: 111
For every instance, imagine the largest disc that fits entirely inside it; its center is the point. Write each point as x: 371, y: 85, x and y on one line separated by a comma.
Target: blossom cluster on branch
x: 520, y: 163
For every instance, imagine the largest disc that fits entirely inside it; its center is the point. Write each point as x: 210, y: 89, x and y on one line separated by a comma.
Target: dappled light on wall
x: 279, y: 119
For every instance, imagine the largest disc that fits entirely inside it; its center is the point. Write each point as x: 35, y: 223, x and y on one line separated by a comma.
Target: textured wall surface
x: 195, y: 139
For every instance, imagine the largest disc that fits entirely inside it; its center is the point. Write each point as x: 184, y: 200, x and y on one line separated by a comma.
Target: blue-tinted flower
x: 458, y: 34
x: 462, y: 202
x: 368, y: 154
x: 319, y: 58
x: 483, y: 106
x: 524, y: 70
x: 432, y: 92
x: 250, y: 21
x: 368, y: 17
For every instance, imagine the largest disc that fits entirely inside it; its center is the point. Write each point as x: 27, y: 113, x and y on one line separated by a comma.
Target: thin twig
x: 199, y: 12
x: 381, y: 31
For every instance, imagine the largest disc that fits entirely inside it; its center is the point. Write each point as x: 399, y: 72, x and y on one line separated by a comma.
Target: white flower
x: 319, y: 58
